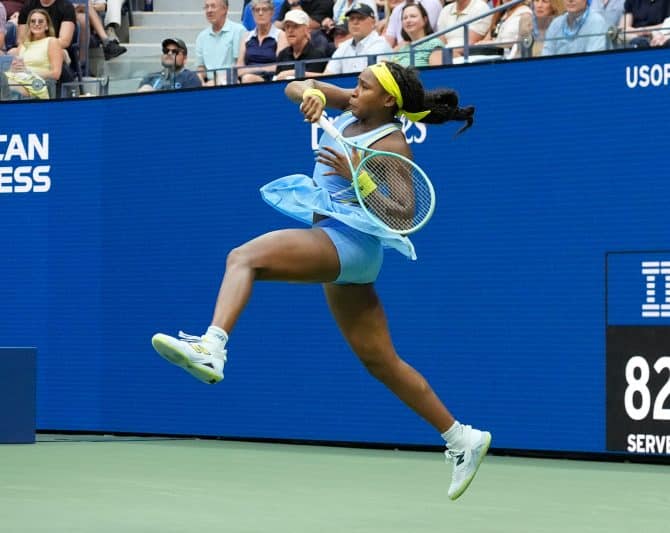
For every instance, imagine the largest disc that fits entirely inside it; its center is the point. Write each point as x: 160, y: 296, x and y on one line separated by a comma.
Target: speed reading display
x: 638, y: 353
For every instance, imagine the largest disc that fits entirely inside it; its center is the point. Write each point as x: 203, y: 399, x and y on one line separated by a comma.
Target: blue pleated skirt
x: 299, y: 197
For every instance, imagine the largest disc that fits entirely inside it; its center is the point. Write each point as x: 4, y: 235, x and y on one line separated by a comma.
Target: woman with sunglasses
x: 38, y: 60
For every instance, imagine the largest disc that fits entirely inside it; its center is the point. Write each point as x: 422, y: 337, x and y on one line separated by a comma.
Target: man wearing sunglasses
x: 174, y: 75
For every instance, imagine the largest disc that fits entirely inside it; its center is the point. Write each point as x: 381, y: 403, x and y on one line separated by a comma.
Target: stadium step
x: 182, y: 19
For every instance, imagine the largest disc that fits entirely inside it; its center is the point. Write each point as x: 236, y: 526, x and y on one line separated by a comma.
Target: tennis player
x: 341, y: 249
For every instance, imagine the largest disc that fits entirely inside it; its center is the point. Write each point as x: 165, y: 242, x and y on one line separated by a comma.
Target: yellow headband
x: 387, y: 81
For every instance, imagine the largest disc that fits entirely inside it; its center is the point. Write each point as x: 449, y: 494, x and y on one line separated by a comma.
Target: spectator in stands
x: 38, y: 58
x: 218, y: 47
x: 577, y: 30
x: 611, y: 10
x: 457, y: 12
x: 384, y: 10
x: 415, y: 26
x: 260, y: 46
x: 110, y: 46
x: 112, y: 13
x: 340, y: 10
x: 173, y: 74
x: 296, y: 25
x: 643, y: 19
x: 248, y: 19
x: 320, y: 16
x: 317, y: 10
x: 61, y: 13
x: 544, y: 11
x: 393, y: 31
x: 11, y: 27
x: 3, y: 28
x: 364, y: 41
x: 511, y: 28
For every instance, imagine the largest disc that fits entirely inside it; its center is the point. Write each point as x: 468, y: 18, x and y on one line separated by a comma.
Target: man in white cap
x: 300, y: 48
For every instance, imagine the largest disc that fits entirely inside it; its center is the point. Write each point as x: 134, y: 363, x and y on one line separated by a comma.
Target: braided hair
x: 442, y: 103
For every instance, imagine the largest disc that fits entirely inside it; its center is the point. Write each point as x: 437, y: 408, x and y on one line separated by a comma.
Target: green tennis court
x: 144, y: 485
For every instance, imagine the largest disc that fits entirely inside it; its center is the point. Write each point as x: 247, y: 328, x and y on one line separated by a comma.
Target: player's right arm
x: 336, y: 97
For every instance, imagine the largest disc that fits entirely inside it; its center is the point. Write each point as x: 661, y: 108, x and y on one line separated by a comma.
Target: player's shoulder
x: 393, y: 142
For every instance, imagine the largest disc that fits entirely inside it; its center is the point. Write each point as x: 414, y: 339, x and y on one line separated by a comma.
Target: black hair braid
x: 442, y: 103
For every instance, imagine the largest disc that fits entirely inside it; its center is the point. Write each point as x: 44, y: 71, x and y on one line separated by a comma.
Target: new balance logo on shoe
x: 200, y: 349
x: 466, y: 461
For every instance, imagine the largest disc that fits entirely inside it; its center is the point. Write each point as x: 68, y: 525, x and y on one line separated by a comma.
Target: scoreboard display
x: 638, y: 352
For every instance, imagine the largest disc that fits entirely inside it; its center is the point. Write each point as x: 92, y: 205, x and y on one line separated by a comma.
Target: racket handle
x: 328, y: 127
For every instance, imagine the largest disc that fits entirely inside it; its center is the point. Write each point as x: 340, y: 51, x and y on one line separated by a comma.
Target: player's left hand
x: 337, y: 161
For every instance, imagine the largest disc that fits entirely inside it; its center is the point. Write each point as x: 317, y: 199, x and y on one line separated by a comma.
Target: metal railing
x: 447, y: 53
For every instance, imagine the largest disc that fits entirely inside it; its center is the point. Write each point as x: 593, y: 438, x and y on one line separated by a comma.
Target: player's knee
x: 238, y: 258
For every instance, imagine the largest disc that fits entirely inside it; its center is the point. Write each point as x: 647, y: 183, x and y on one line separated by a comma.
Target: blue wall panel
x: 504, y: 311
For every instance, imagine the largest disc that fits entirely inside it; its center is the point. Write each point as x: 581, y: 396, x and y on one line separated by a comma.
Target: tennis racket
x: 403, y: 199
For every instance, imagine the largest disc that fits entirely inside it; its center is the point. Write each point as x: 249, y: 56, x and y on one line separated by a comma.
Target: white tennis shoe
x: 194, y: 354
x: 466, y: 461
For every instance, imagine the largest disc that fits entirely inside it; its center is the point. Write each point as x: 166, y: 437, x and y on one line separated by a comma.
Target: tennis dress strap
x: 383, y: 132
x: 370, y: 137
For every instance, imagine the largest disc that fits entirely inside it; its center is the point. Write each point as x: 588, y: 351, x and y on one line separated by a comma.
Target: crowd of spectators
x: 286, y: 39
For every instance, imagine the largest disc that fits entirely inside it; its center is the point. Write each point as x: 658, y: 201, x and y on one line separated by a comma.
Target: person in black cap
x: 173, y: 75
x: 352, y: 54
x: 340, y: 10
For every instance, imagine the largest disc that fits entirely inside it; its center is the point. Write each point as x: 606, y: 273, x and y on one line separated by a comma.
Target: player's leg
x: 299, y: 255
x: 361, y: 318
x: 303, y: 255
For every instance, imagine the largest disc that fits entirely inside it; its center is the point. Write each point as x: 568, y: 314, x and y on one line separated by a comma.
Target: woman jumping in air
x: 340, y: 250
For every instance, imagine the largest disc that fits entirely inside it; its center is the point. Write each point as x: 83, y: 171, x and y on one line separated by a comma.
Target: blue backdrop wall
x: 125, y: 232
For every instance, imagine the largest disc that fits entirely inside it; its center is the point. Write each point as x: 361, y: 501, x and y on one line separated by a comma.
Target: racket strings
x: 403, y: 198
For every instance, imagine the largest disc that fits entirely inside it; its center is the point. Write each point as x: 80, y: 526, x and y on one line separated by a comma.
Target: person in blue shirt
x: 217, y: 47
x: 173, y: 75
x: 580, y: 29
x: 341, y: 248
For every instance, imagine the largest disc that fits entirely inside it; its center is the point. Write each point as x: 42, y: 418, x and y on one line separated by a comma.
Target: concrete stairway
x: 182, y: 19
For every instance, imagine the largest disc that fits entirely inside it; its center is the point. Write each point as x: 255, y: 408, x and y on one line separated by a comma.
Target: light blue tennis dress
x: 358, y: 240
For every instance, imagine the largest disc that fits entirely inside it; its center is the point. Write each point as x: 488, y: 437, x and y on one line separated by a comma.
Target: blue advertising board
x: 118, y: 214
